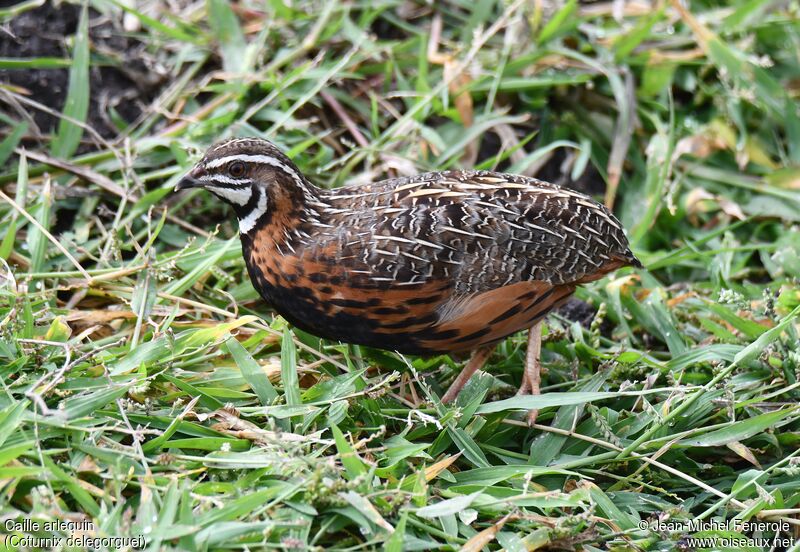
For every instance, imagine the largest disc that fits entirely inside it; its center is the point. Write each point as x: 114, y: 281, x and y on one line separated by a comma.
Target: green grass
x: 147, y: 388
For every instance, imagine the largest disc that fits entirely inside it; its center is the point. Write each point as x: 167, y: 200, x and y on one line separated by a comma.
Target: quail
x: 441, y: 262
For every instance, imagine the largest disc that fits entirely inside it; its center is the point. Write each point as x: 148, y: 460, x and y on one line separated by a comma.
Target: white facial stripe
x: 263, y: 159
x: 239, y: 196
x: 222, y: 179
x: 247, y: 223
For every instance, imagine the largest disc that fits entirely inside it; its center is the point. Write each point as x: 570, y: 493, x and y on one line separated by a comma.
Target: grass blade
x: 76, y: 106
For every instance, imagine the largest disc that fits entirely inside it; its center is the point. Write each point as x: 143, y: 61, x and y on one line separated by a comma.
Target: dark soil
x: 122, y: 81
x: 590, y: 182
x: 579, y: 311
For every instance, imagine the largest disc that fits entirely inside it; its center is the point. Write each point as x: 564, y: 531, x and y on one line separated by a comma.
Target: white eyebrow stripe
x: 264, y: 160
x: 246, y: 158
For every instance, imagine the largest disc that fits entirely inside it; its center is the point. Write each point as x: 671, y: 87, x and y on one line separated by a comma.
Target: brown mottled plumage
x: 435, y: 263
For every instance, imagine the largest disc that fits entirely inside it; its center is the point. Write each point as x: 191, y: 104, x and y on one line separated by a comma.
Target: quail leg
x: 532, y: 377
x: 477, y: 361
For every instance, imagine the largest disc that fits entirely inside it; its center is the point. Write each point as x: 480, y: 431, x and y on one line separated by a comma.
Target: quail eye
x: 236, y: 169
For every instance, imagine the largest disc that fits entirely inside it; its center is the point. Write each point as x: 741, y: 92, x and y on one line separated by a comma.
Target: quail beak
x: 189, y: 181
